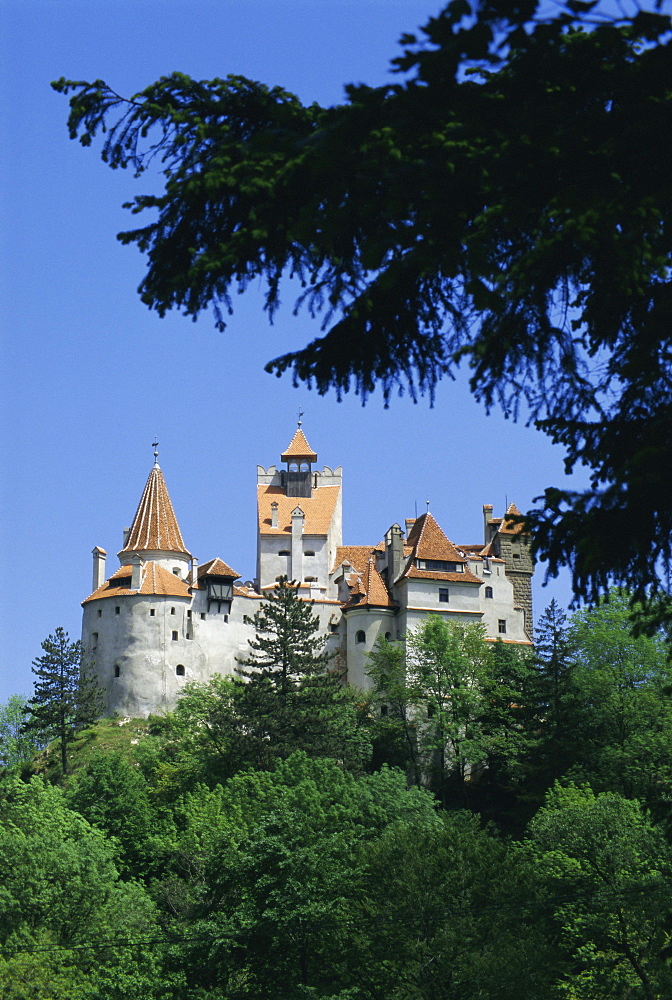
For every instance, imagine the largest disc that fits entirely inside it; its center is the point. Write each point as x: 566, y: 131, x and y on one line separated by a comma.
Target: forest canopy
x: 503, y: 205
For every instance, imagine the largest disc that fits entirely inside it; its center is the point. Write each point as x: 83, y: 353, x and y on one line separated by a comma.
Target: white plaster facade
x: 161, y: 619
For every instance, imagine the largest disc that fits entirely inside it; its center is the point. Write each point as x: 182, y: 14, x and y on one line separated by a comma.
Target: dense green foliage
x: 17, y: 746
x: 518, y: 849
x: 505, y: 205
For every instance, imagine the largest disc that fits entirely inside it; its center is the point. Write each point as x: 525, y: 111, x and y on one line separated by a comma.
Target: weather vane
x: 155, y: 446
x: 300, y: 416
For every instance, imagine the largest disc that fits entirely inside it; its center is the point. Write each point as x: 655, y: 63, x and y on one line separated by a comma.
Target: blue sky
x: 89, y: 375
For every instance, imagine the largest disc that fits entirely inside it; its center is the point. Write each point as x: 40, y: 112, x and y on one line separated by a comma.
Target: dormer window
x: 220, y: 593
x: 439, y: 566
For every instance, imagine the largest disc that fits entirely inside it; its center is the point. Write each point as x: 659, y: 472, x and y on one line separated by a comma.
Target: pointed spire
x: 155, y: 526
x: 299, y: 448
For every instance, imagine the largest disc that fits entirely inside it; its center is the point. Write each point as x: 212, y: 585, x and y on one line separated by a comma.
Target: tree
x: 446, y: 665
x: 66, y: 698
x: 609, y: 875
x: 505, y: 204
x: 17, y: 747
x: 291, y: 699
x: 622, y: 722
x: 66, y: 920
x: 395, y: 736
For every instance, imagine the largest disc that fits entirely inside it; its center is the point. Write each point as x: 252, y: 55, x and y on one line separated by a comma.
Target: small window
x: 360, y: 636
x: 501, y: 626
x: 309, y: 552
x: 443, y: 595
x: 175, y: 636
x: 383, y: 710
x: 202, y: 616
x: 152, y: 612
x: 283, y: 552
x: 117, y: 670
x: 179, y: 670
x: 176, y: 570
x: 172, y: 611
x: 333, y: 628
x: 188, y: 614
x: 94, y: 639
x: 516, y: 555
x: 488, y: 592
x: 117, y: 610
x: 388, y: 636
x: 100, y: 612
x: 311, y: 579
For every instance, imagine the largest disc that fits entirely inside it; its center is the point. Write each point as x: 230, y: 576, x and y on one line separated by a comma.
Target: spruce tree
x: 65, y: 699
x: 292, y: 699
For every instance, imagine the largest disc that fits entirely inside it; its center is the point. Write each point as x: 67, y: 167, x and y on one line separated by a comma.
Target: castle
x: 161, y: 619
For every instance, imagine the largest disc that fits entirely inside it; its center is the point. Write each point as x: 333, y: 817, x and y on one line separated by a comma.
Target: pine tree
x: 65, y: 699
x: 292, y: 699
x: 552, y: 702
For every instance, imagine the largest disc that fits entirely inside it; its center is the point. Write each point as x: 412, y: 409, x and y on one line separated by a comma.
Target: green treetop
x: 65, y: 698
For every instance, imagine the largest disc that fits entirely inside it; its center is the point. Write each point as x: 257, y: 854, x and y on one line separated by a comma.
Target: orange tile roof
x: 155, y: 526
x: 298, y: 447
x: 217, y: 567
x: 370, y: 590
x: 511, y: 527
x: 318, y: 509
x: 154, y: 579
x: 429, y: 542
x: 356, y: 555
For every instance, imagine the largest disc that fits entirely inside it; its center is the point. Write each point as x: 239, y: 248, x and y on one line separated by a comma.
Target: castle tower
x: 155, y: 534
x: 299, y: 520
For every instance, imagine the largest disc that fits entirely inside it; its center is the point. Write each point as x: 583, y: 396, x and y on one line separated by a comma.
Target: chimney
x: 296, y: 572
x: 136, y: 565
x: 274, y: 514
x: 127, y: 532
x: 410, y: 521
x: 395, y: 552
x: 99, y: 557
x: 194, y: 571
x: 487, y: 515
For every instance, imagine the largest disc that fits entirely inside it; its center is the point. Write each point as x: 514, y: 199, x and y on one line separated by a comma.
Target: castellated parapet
x: 163, y: 619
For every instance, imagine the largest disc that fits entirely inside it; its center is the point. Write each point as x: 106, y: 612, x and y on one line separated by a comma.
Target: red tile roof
x: 155, y: 526
x: 427, y: 541
x: 509, y: 526
x: 370, y: 590
x: 217, y: 567
x: 154, y: 579
x: 356, y: 555
x: 318, y: 509
x: 298, y: 447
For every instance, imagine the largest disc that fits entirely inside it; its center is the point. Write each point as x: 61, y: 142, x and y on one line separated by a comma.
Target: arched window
x: 360, y: 636
x: 117, y: 670
x: 283, y: 552
x: 309, y: 552
x: 179, y: 670
x: 388, y: 636
x: 383, y: 710
x: 488, y: 591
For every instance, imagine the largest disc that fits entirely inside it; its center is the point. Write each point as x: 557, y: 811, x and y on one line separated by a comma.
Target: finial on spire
x: 427, y: 502
x: 300, y: 416
x: 155, y: 446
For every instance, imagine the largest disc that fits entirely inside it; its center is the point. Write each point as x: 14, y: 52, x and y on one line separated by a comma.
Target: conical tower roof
x: 155, y: 526
x: 298, y: 447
